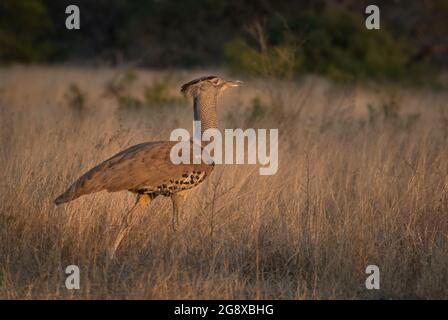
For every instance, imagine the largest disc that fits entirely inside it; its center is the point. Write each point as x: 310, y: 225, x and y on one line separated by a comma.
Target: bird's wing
x: 146, y: 164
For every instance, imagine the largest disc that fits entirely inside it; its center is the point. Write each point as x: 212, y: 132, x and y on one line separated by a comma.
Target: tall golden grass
x: 354, y: 188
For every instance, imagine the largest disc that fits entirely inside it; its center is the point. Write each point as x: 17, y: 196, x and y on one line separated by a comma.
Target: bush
x: 157, y: 94
x: 336, y: 44
x: 75, y: 98
x: 279, y: 60
x: 24, y: 28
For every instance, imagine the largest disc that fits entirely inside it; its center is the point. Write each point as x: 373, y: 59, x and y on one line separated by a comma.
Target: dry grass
x: 352, y: 189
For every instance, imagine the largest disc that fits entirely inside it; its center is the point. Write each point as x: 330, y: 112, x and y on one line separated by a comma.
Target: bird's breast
x: 188, y: 180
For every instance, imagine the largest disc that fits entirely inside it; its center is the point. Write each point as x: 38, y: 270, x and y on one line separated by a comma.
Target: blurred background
x: 363, y: 148
x: 264, y: 38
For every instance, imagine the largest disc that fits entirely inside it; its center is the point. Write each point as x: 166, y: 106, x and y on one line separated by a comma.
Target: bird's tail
x: 60, y: 200
x: 67, y: 196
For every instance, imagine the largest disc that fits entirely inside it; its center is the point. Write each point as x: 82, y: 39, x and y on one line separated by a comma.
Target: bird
x: 146, y: 169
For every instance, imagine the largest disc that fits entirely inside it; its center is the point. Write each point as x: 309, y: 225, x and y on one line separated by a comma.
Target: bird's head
x: 212, y: 84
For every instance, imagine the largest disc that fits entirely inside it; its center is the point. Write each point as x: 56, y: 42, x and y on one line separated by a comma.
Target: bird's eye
x: 215, y: 81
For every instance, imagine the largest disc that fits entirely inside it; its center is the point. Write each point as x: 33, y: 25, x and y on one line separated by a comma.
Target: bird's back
x: 143, y: 168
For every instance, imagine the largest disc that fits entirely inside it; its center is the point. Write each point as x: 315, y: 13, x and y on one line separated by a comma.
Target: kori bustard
x: 147, y: 170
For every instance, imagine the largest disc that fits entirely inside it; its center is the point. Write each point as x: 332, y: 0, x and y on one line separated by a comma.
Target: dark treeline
x: 190, y: 33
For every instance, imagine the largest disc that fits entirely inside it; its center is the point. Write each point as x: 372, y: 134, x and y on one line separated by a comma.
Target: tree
x: 24, y: 27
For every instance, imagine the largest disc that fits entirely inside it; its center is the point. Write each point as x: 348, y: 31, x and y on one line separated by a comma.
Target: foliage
x: 118, y: 87
x: 297, y: 37
x: 257, y: 110
x: 280, y: 61
x: 336, y: 44
x: 24, y: 26
x: 75, y: 98
x: 156, y: 94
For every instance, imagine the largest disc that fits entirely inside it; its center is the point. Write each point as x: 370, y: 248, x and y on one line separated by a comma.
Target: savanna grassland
x: 362, y: 179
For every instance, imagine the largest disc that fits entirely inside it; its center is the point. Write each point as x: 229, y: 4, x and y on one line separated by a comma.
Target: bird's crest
x: 189, y: 88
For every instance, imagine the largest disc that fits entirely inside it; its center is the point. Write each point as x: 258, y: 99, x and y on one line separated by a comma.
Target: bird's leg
x: 175, y: 220
x: 128, y: 221
x: 178, y: 199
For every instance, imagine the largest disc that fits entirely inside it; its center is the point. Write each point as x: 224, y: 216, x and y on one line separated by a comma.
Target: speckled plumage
x: 143, y: 169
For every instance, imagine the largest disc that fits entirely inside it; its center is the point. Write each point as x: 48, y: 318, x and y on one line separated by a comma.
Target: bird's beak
x: 234, y: 83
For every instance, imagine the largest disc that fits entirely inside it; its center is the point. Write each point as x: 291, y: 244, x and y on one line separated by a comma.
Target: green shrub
x: 75, y: 98
x: 336, y: 44
x: 257, y: 110
x: 157, y: 94
x: 241, y: 57
x: 24, y: 29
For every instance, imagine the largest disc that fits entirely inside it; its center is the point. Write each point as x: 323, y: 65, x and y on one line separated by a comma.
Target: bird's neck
x: 204, y: 110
